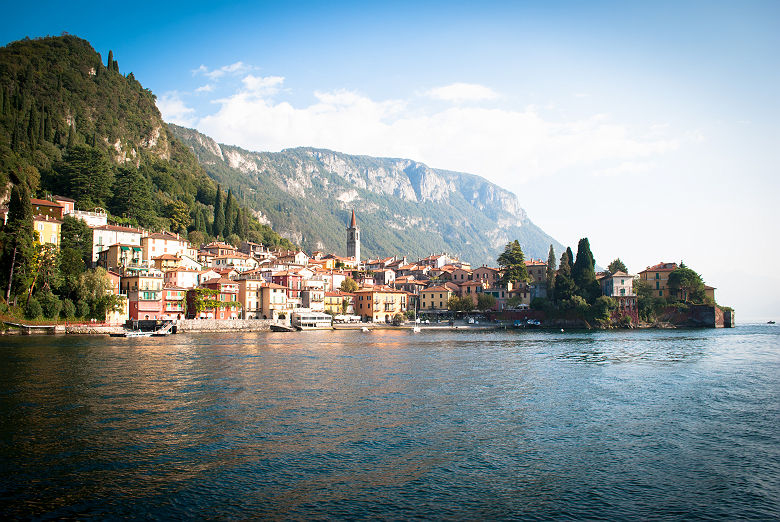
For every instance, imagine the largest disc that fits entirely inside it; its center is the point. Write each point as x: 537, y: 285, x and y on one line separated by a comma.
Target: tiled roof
x: 44, y: 203
x: 437, y: 289
x: 117, y: 228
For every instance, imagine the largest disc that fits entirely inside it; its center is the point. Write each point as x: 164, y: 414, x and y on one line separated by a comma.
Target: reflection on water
x: 440, y: 425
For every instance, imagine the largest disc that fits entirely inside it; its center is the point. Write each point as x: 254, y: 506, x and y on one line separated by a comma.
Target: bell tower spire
x: 353, y: 239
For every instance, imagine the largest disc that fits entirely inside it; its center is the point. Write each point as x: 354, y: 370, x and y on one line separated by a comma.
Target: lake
x: 394, y: 425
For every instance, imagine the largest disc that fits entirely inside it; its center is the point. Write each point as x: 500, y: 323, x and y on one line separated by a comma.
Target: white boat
x: 311, y: 320
x: 417, y: 329
x: 132, y: 333
x: 364, y: 329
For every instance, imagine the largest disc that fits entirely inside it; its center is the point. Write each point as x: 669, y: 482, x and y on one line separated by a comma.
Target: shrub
x: 33, y: 310
x: 82, y: 309
x: 68, y: 309
x: 50, y: 304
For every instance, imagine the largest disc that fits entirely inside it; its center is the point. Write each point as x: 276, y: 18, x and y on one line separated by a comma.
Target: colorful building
x: 657, y: 276
x: 379, y: 304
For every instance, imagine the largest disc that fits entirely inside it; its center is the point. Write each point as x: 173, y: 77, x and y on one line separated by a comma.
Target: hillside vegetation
x: 73, y: 125
x: 403, y: 207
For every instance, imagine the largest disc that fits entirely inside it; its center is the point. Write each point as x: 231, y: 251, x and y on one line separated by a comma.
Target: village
x: 161, y: 276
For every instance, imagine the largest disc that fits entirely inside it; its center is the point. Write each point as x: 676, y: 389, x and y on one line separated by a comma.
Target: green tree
x: 512, y: 261
x: 76, y: 234
x: 583, y: 272
x: 617, y: 266
x: 564, y: 284
x: 17, y: 239
x: 132, y: 197
x: 32, y: 309
x: 96, y: 289
x: 179, y: 214
x: 349, y: 285
x: 551, y: 267
x: 86, y: 176
x: 230, y: 211
x: 686, y: 284
x: 196, y: 238
x: 485, y: 301
x: 49, y: 276
x: 218, y: 228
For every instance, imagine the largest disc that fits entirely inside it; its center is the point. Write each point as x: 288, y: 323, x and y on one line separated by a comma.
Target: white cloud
x: 262, y: 86
x: 462, y: 92
x: 174, y: 110
x: 505, y: 145
x: 215, y: 74
x: 209, y: 87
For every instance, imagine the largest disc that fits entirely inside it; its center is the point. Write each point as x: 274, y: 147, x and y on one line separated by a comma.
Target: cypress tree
x: 230, y: 211
x: 564, y: 284
x: 71, y: 137
x: 218, y: 228
x: 550, y: 270
x: 110, y: 61
x: 583, y: 272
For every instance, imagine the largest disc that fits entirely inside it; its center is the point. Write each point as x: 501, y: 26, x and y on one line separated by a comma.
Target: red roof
x: 353, y: 222
x: 219, y: 280
x: 661, y: 267
x: 117, y: 228
x: 437, y: 289
x: 44, y: 203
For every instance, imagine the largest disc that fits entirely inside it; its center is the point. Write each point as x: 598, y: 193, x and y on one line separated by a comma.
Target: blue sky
x: 652, y: 128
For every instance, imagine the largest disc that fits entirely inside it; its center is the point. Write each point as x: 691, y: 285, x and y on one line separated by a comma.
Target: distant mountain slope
x: 403, y: 207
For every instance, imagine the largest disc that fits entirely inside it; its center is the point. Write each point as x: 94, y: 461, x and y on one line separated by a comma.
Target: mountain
x: 403, y: 206
x: 71, y: 125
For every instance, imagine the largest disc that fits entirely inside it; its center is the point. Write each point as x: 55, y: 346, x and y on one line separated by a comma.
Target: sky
x: 652, y: 128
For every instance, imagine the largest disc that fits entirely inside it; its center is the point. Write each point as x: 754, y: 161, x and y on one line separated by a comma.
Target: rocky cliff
x: 403, y: 206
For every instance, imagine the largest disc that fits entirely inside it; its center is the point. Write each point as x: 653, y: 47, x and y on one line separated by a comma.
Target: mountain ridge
x: 308, y: 193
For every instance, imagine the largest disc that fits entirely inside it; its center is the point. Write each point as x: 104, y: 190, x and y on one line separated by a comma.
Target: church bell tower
x: 353, y: 239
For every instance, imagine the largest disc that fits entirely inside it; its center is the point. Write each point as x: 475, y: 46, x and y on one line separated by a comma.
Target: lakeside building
x: 119, y: 256
x: 143, y: 288
x: 338, y: 302
x: 620, y: 287
x: 657, y: 276
x: 379, y: 304
x: 160, y: 243
x: 435, y: 298
x: 174, y: 302
x: 218, y: 301
x: 182, y: 277
x: 107, y: 235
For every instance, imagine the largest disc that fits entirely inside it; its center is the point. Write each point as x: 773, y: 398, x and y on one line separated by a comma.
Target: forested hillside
x: 73, y: 125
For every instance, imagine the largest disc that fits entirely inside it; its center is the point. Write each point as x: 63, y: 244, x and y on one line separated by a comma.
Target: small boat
x: 417, y: 329
x: 364, y: 329
x: 132, y: 333
x: 770, y: 322
x: 282, y: 328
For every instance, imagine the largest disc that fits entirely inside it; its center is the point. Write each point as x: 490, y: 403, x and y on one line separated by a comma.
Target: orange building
x: 657, y: 276
x: 379, y: 303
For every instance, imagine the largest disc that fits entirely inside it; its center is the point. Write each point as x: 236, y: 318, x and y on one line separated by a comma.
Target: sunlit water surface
x: 393, y: 425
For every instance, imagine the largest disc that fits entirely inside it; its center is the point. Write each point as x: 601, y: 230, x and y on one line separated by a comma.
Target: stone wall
x: 223, y: 325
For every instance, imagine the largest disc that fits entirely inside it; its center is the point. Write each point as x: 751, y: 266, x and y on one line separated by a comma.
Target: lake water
x: 393, y: 425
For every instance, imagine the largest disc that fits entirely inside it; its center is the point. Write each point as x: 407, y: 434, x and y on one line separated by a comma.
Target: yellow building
x: 435, y: 298
x: 48, y: 229
x: 334, y: 302
x: 657, y: 277
x: 379, y: 304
